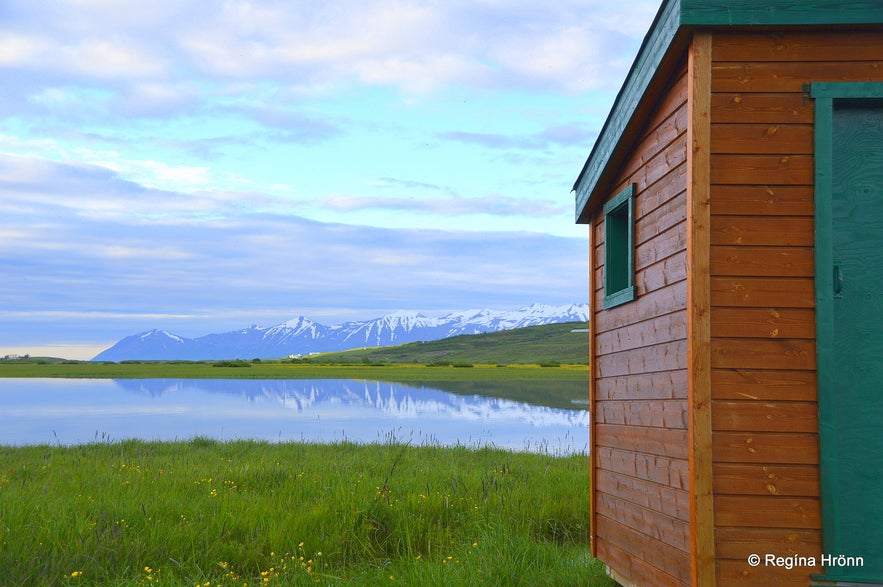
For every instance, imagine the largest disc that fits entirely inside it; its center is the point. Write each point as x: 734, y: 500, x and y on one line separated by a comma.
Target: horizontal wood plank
x: 660, y: 165
x: 783, y: 46
x: 664, y: 442
x: 762, y: 261
x: 662, y: 274
x: 737, y: 573
x: 789, y: 77
x: 672, y: 502
x: 761, y: 169
x: 665, y: 328
x: 762, y: 292
x: 656, y: 468
x: 660, y: 385
x: 665, y: 300
x: 665, y: 356
x: 767, y: 139
x: 656, y: 243
x: 763, y: 323
x: 746, y: 353
x: 651, y: 413
x: 771, y: 231
x: 764, y: 416
x: 765, y: 447
x: 763, y: 479
x: 738, y: 542
x: 770, y: 385
x: 771, y: 108
x: 662, y: 246
x: 617, y: 545
x: 669, y: 186
x: 665, y: 529
x: 762, y: 200
x: 661, y: 137
x: 767, y: 511
x: 661, y: 218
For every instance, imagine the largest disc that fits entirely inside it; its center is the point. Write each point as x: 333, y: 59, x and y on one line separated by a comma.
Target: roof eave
x: 673, y: 21
x: 653, y: 49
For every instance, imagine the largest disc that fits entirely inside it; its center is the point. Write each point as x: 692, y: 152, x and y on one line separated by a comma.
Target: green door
x: 850, y: 332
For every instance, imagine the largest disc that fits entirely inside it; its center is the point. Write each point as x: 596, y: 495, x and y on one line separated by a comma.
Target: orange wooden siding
x: 641, y: 476
x: 764, y: 411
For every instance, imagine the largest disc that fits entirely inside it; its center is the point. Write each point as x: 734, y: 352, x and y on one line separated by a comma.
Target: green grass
x: 550, y: 343
x: 247, y: 513
x: 288, y: 370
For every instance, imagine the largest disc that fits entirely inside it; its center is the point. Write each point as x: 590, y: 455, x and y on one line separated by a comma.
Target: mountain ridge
x: 303, y: 336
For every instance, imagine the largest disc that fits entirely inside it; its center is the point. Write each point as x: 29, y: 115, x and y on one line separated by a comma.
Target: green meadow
x: 245, y: 513
x: 237, y: 514
x: 296, y: 370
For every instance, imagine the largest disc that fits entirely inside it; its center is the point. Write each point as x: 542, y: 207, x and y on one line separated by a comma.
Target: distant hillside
x: 303, y: 336
x: 550, y: 343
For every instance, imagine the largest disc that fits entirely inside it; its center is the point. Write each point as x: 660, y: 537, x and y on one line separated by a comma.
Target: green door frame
x: 824, y: 94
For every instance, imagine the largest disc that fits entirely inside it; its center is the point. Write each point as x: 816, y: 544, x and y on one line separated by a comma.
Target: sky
x: 200, y: 166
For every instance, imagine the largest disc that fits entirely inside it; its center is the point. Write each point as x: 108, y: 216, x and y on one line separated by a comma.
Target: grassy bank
x: 297, y: 370
x: 550, y: 343
x: 245, y: 513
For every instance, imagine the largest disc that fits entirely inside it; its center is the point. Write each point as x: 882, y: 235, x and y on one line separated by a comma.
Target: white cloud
x: 17, y: 50
x: 60, y: 264
x: 158, y: 159
x: 449, y: 206
x: 411, y: 45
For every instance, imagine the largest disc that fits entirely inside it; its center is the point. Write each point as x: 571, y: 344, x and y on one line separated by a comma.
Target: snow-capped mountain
x: 302, y: 336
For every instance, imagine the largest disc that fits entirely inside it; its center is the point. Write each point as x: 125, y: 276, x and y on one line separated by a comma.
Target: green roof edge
x: 672, y: 17
x: 656, y: 42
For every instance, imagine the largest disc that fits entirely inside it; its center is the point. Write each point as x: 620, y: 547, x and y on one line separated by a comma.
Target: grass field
x: 288, y: 370
x: 216, y: 514
x: 550, y: 343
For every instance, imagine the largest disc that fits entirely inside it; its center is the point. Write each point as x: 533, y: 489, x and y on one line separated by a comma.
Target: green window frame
x: 619, y: 248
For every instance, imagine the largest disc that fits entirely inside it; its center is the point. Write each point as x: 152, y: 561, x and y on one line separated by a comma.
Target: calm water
x: 76, y: 411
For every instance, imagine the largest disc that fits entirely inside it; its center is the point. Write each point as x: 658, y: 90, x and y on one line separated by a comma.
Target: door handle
x: 838, y: 280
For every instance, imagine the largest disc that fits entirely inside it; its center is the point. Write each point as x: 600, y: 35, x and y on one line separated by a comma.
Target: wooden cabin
x: 734, y: 200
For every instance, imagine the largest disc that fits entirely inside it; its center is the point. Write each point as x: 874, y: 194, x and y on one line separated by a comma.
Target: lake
x: 78, y: 411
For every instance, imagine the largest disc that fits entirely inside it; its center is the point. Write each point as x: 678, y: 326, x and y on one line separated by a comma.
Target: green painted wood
x: 847, y: 89
x: 619, y: 248
x: 779, y: 12
x: 849, y: 256
x: 675, y: 20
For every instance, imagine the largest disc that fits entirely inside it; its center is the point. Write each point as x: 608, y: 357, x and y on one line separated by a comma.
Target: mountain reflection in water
x: 42, y: 411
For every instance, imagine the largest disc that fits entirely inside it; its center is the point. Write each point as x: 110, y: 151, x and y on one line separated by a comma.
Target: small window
x: 619, y: 256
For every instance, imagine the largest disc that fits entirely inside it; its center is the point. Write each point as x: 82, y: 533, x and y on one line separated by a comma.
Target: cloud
x: 564, y: 134
x: 450, y: 206
x: 283, y: 123
x: 159, y: 160
x: 571, y: 45
x: 148, y: 261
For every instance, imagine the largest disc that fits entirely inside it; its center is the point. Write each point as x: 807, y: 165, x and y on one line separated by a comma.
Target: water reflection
x: 69, y: 411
